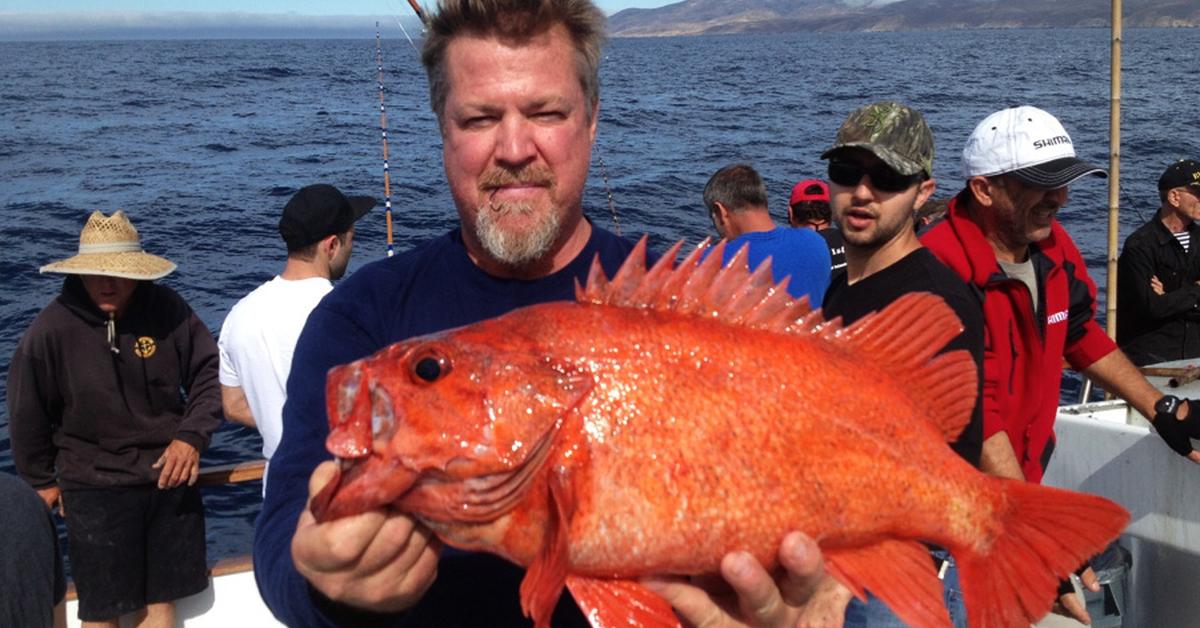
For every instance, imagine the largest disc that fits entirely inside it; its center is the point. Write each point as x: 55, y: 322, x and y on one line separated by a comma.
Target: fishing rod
x: 416, y: 7
x: 387, y: 183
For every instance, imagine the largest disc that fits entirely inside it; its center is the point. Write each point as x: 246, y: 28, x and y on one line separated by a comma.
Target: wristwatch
x: 1167, y: 405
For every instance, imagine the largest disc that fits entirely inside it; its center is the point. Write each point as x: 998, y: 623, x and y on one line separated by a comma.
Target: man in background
x: 881, y: 173
x: 259, y: 334
x: 736, y: 198
x: 112, y: 395
x: 1158, y: 296
x: 809, y: 207
x: 1001, y: 236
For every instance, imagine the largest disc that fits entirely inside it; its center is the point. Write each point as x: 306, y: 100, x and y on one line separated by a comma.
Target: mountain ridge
x: 709, y: 17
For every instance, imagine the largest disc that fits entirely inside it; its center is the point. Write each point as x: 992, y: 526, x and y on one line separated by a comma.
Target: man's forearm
x: 998, y: 458
x: 235, y: 406
x: 1116, y: 374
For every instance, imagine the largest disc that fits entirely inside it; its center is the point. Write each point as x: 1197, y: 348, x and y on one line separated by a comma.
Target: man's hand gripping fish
x: 673, y: 415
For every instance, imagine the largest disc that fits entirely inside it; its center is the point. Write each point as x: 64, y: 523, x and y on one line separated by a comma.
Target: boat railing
x: 232, y: 473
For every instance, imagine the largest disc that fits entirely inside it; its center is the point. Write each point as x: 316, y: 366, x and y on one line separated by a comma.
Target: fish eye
x: 430, y: 367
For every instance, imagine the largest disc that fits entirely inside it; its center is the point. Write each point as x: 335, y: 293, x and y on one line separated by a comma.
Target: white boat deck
x: 240, y: 604
x: 1107, y: 448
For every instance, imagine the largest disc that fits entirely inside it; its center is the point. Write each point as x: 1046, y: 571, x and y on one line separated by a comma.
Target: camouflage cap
x: 894, y: 133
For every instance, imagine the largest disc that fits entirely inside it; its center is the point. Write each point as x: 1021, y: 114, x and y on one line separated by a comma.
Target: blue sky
x: 213, y: 19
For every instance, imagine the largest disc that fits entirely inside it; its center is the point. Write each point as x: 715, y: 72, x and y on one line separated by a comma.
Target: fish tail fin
x: 1046, y: 534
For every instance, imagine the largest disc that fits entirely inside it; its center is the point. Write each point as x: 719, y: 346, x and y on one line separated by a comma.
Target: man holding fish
x: 515, y: 87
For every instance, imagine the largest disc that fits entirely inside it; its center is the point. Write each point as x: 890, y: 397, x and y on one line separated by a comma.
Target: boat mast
x: 1114, y: 172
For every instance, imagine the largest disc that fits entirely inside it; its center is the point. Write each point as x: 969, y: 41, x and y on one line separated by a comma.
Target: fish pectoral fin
x: 607, y: 603
x: 547, y: 573
x: 900, y: 573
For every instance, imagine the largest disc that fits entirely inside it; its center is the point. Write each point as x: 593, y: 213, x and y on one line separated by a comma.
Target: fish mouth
x: 440, y: 497
x: 431, y: 494
x: 359, y: 486
x: 322, y: 503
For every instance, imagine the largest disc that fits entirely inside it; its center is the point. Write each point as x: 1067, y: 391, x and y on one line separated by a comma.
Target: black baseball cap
x: 318, y: 211
x: 1180, y: 174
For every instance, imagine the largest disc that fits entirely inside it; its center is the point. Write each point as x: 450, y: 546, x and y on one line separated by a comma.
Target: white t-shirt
x: 256, y: 344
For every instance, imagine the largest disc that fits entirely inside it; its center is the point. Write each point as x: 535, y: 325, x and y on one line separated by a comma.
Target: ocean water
x: 202, y: 142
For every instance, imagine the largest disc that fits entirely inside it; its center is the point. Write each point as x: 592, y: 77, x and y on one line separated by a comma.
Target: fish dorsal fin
x: 730, y: 293
x: 903, y: 338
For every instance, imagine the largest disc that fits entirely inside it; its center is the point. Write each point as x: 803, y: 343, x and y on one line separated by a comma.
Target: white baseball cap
x: 1028, y: 143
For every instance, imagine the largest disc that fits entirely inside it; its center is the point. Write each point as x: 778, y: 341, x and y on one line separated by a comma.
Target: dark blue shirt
x: 430, y: 288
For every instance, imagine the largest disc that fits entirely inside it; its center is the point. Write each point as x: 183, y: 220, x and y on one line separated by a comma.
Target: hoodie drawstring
x: 112, y: 333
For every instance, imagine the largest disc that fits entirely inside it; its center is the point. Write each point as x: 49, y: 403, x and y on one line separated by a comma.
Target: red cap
x: 799, y: 194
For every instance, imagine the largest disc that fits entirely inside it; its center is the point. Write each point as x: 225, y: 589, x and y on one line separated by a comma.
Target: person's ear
x: 330, y: 245
x: 924, y: 191
x: 981, y: 189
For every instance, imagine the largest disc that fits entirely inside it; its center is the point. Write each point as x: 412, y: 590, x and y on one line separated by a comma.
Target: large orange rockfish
x: 673, y: 415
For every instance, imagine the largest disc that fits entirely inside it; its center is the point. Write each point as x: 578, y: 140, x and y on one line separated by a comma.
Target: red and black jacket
x: 1023, y: 349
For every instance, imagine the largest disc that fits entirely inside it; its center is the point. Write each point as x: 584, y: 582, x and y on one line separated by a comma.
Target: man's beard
x: 513, y: 248
x: 516, y: 249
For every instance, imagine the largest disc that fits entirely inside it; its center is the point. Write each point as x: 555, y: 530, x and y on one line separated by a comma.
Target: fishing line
x: 387, y: 183
x: 1133, y: 206
x: 400, y: 23
x: 612, y: 208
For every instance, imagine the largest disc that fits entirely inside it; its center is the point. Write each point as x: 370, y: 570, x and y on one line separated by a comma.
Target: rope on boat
x: 387, y: 183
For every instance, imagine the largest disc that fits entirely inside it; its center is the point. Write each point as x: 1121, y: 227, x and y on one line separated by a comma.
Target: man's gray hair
x: 514, y: 20
x: 737, y: 187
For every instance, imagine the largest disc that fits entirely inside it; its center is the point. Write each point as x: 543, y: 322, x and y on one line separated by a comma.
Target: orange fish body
x: 674, y: 415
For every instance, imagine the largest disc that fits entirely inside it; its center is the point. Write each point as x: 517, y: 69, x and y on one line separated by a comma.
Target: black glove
x: 1176, y: 433
x: 1191, y: 425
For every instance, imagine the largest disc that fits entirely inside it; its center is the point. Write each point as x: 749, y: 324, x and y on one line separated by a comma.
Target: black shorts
x: 133, y: 546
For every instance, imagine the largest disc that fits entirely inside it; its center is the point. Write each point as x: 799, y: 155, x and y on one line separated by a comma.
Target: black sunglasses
x: 883, y: 178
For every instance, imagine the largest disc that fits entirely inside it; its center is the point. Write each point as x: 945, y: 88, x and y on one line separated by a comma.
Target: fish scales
x: 673, y: 415
x: 660, y: 463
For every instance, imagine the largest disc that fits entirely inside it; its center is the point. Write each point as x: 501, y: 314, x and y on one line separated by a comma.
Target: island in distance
x: 708, y: 17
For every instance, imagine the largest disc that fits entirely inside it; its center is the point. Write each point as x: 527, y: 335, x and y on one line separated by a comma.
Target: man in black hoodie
x: 112, y: 394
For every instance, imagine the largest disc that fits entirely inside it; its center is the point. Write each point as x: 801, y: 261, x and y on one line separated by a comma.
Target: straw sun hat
x: 109, y: 246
